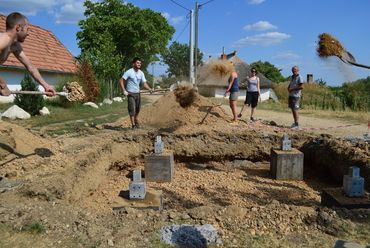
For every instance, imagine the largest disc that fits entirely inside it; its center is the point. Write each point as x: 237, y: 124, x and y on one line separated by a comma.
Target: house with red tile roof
x: 45, y: 51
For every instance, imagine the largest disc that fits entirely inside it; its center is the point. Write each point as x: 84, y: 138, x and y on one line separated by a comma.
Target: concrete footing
x: 153, y: 200
x: 159, y: 167
x: 286, y: 165
x: 335, y: 197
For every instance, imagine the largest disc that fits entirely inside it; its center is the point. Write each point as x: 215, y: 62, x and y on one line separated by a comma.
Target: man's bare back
x: 10, y: 42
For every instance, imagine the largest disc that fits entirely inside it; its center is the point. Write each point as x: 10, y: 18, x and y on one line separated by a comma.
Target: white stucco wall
x: 13, y: 78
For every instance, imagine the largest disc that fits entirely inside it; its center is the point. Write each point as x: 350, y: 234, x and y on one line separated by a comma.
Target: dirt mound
x: 166, y: 112
x: 19, y: 141
x: 185, y: 95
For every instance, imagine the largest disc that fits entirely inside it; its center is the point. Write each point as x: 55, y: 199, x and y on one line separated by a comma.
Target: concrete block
x: 159, y: 167
x: 334, y: 197
x: 286, y: 164
x: 136, y: 176
x: 353, y: 186
x: 153, y: 200
x: 286, y: 143
x: 137, y: 190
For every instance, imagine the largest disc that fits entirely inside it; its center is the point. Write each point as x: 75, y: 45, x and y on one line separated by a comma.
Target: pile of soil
x: 19, y: 141
x: 166, y: 112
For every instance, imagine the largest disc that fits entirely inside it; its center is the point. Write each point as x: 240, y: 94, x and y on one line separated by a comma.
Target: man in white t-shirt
x: 130, y: 85
x: 295, y: 87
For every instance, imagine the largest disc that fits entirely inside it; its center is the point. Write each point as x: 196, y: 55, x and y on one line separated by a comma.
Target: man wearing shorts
x: 295, y: 87
x: 130, y: 85
x: 11, y: 42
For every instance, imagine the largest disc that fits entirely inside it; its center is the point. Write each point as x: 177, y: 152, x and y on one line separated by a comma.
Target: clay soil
x: 221, y: 178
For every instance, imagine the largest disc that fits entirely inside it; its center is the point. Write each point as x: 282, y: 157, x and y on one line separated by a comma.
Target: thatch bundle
x: 75, y: 92
x: 185, y: 95
x: 221, y: 68
x: 329, y: 46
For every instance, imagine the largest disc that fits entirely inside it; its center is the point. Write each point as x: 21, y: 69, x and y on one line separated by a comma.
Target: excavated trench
x: 205, y: 159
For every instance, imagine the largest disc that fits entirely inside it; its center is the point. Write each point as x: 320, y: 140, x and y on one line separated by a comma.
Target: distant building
x: 216, y: 88
x: 45, y: 51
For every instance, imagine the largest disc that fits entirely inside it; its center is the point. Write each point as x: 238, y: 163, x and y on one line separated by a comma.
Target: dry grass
x: 329, y: 46
x: 75, y: 92
x: 219, y: 68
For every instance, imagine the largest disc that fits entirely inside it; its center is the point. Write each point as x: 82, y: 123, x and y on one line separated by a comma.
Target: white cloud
x: 166, y: 15
x: 70, y: 13
x: 64, y: 11
x: 256, y: 2
x: 286, y: 56
x: 265, y: 39
x: 259, y: 26
x: 177, y: 19
x: 173, y: 20
x: 26, y: 7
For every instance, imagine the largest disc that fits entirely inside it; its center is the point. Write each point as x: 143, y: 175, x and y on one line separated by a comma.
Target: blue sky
x: 282, y: 32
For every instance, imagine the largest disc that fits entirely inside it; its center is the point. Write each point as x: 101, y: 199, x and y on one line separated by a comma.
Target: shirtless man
x: 10, y: 42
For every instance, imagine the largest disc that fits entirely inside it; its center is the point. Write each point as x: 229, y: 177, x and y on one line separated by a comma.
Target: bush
x: 30, y: 103
x: 86, y: 76
x: 313, y: 96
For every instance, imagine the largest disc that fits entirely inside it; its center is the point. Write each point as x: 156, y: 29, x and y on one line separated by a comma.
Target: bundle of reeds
x: 75, y: 92
x: 329, y: 46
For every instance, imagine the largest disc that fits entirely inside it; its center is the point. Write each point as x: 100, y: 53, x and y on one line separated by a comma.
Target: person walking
x: 130, y: 84
x: 295, y: 87
x: 11, y: 42
x: 233, y: 90
x: 253, y: 93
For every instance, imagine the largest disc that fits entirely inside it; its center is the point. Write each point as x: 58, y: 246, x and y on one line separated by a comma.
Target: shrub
x: 30, y: 103
x: 86, y: 76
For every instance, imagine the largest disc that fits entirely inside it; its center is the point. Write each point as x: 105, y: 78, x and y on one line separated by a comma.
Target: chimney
x: 223, y: 55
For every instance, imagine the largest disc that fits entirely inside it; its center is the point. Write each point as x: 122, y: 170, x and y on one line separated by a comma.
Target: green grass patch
x: 35, y: 228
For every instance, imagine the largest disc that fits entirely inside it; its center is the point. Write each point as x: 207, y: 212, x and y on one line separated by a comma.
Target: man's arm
x: 122, y: 82
x: 146, y: 86
x: 21, y: 56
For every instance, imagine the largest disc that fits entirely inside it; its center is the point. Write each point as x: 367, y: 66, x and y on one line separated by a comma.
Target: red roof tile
x: 44, y: 50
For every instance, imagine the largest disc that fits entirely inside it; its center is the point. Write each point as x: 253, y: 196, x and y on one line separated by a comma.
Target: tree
x: 120, y: 31
x: 269, y: 70
x: 177, y: 59
x: 30, y: 103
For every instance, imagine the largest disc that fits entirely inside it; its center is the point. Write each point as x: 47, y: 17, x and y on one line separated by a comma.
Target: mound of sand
x: 19, y: 141
x: 166, y: 112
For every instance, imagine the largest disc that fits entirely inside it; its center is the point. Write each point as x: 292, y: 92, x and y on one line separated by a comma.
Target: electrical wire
x: 179, y: 5
x: 182, y: 31
x: 200, y: 5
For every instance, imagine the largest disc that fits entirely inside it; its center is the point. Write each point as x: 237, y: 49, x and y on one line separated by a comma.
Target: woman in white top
x: 253, y: 93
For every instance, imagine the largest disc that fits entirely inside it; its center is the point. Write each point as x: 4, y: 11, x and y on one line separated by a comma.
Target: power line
x: 182, y: 31
x: 200, y: 5
x: 179, y: 5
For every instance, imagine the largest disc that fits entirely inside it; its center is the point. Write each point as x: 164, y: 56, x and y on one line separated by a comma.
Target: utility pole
x: 196, y: 44
x: 191, y: 48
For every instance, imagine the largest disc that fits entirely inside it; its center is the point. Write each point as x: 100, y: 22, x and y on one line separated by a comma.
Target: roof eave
x: 41, y: 70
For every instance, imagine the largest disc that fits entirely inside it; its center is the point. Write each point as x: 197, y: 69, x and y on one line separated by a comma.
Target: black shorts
x: 293, y: 102
x: 133, y: 103
x: 252, y: 99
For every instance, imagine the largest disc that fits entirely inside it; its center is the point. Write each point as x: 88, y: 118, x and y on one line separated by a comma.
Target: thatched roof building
x: 242, y: 68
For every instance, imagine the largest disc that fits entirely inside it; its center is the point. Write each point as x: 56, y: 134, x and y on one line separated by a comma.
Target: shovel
x: 25, y: 92
x: 218, y: 104
x: 348, y: 58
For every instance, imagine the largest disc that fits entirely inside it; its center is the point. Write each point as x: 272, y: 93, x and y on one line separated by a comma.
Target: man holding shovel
x: 130, y: 85
x: 10, y: 42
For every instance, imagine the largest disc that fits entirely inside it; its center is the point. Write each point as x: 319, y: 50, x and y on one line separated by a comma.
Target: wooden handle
x: 26, y: 92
